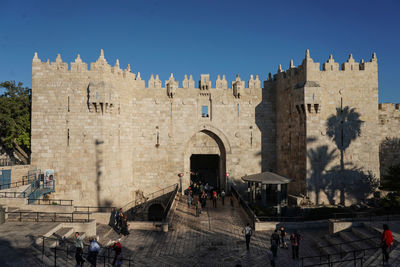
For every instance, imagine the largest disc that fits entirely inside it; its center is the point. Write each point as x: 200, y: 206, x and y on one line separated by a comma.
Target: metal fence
x: 60, y: 252
x: 59, y: 202
x: 37, y: 216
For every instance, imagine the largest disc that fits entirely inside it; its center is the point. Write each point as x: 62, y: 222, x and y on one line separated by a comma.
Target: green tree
x: 15, y: 116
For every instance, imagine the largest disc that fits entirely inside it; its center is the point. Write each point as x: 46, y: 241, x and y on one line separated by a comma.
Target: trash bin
x: 2, y: 215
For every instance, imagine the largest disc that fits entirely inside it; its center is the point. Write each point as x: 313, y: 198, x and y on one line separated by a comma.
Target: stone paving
x: 213, y: 239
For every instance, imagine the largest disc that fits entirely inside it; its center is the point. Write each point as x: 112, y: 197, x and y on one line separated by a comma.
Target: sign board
x: 49, y: 179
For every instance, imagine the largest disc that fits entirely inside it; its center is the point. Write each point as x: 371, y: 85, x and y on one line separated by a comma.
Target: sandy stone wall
x: 389, y: 124
x: 107, y: 135
x: 329, y: 165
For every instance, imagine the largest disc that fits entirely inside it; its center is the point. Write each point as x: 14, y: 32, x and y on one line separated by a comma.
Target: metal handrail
x: 169, y: 203
x: 329, y: 256
x: 12, y: 194
x: 16, y: 184
x: 148, y: 197
x: 332, y: 263
x: 105, y: 250
x: 60, y: 202
x: 50, y: 216
x: 93, y: 209
x: 244, y: 205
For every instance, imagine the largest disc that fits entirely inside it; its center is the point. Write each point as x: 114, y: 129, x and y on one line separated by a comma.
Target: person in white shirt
x: 247, y: 233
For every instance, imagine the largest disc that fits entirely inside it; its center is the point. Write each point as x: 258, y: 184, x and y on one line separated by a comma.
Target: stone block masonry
x: 107, y: 135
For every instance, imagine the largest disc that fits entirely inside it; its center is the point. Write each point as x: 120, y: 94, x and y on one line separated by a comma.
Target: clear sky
x: 193, y: 37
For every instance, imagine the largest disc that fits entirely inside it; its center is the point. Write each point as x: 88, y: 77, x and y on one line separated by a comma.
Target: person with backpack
x: 387, y: 242
x: 295, y: 242
x: 248, y: 232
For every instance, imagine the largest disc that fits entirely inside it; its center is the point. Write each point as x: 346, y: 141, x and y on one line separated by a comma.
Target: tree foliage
x: 15, y: 115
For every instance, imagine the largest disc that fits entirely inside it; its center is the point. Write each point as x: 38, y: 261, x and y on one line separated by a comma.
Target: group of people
x: 278, y: 240
x: 121, y: 222
x: 197, y: 195
x: 93, y: 251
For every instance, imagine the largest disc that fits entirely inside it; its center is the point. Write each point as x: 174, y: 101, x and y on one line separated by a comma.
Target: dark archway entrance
x: 156, y: 212
x: 205, y: 168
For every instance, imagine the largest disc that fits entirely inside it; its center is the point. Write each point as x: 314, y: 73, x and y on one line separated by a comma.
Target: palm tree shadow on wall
x: 343, y: 128
x: 320, y: 159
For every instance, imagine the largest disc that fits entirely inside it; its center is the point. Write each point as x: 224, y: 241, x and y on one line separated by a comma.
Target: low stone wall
x: 337, y: 226
x: 270, y: 226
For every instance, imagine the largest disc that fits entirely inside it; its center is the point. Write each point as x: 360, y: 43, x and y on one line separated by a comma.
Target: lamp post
x: 180, y: 181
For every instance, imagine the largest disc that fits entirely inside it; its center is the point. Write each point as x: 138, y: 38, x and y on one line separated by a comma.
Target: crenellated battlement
x: 205, y: 83
x: 101, y: 66
x: 308, y: 67
x: 389, y: 107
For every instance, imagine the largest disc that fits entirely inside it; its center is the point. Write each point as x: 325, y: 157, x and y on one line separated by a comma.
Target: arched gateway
x: 205, y: 158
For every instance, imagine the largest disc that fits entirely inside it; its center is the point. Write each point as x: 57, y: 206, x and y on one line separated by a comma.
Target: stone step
x: 373, y: 256
x: 349, y: 236
x: 364, y: 233
x: 336, y: 242
x: 61, y: 235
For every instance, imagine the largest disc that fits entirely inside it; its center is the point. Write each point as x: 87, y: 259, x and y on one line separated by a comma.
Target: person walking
x: 117, y: 247
x: 214, y: 198
x: 283, y: 239
x: 125, y: 226
x: 189, y: 200
x: 274, y: 247
x: 94, y: 250
x: 79, y: 249
x: 223, y: 197
x: 198, y: 208
x: 203, y: 199
x: 276, y: 238
x: 118, y: 219
x: 248, y: 232
x: 295, y: 241
x: 387, y: 242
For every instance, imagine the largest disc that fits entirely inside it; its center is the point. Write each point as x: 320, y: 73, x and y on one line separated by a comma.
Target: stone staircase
x: 357, y: 242
x: 61, y: 245
x: 138, y: 210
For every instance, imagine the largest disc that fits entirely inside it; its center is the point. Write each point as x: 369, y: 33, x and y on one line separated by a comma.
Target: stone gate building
x: 107, y: 135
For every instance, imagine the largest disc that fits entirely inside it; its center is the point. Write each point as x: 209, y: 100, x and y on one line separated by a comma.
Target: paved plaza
x: 213, y: 239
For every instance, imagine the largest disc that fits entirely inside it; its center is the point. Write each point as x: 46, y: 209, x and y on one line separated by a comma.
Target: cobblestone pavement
x: 213, y: 239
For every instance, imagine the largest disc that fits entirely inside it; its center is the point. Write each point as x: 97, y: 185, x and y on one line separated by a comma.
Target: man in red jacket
x: 387, y: 241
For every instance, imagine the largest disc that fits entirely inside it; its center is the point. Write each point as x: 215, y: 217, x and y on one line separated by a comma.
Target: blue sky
x: 193, y: 37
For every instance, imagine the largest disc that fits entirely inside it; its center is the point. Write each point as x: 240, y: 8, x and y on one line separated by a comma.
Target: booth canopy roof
x: 266, y: 178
